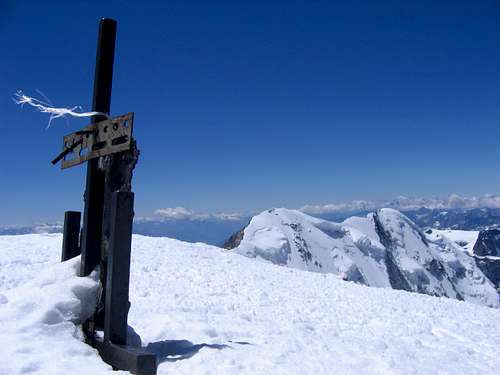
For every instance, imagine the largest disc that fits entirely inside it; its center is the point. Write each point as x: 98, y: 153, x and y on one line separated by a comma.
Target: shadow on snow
x: 174, y: 350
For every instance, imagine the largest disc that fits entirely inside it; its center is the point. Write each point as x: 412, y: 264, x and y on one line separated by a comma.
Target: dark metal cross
x: 106, y: 236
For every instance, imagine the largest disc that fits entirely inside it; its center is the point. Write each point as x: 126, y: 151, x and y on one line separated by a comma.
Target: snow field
x: 205, y: 310
x: 298, y: 322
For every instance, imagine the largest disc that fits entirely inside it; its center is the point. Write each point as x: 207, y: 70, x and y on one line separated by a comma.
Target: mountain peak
x: 382, y: 249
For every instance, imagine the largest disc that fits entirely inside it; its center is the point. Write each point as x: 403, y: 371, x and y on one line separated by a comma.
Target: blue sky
x: 242, y: 106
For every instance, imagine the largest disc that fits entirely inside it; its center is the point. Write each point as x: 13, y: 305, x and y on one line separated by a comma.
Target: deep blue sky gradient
x: 248, y: 105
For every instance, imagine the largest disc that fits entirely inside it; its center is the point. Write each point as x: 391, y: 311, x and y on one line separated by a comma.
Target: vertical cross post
x: 118, y: 275
x: 94, y: 190
x: 71, y: 233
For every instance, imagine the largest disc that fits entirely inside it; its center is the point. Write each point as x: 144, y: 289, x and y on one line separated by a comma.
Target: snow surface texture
x: 205, y: 310
x: 384, y: 249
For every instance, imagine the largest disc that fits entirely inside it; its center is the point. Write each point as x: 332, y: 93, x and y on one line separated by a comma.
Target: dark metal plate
x: 103, y: 138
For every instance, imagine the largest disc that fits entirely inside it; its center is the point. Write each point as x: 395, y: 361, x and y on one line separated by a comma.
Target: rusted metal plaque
x: 96, y: 140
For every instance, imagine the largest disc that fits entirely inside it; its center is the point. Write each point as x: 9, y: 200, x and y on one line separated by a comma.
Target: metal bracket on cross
x: 103, y: 138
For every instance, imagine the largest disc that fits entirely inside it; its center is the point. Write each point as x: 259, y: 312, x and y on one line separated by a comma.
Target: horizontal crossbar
x: 96, y: 140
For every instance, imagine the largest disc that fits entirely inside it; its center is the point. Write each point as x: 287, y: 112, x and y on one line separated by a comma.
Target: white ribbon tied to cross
x: 44, y: 107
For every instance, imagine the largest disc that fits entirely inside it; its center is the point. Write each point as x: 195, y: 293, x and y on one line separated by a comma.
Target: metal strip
x: 103, y: 138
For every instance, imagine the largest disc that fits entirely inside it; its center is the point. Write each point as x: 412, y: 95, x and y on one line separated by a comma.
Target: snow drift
x: 42, y: 303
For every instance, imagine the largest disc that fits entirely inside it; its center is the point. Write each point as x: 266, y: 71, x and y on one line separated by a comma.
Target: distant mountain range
x: 383, y: 249
x: 29, y: 229
x: 402, y: 203
x: 209, y: 230
x: 454, y: 212
x: 450, y: 218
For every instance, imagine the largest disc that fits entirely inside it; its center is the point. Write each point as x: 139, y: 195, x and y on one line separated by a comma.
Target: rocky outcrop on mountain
x: 383, y: 249
x: 488, y: 243
x: 491, y: 269
x: 234, y: 240
x: 487, y: 254
x: 427, y: 263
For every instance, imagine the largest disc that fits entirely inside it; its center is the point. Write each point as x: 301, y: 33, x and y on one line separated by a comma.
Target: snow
x: 206, y: 310
x: 289, y: 237
x: 38, y: 318
x: 364, y: 227
x: 20, y: 260
x: 464, y: 238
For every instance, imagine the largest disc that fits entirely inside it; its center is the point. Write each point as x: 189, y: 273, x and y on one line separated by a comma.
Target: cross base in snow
x: 125, y: 357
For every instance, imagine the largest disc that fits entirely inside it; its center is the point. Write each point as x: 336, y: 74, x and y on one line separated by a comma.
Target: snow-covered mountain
x: 205, y: 310
x: 483, y: 246
x: 383, y: 249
